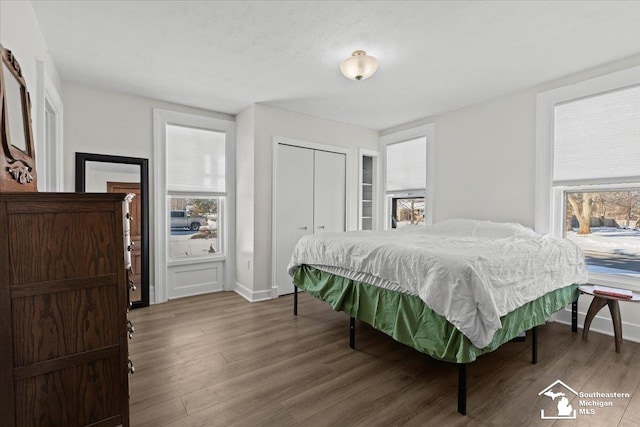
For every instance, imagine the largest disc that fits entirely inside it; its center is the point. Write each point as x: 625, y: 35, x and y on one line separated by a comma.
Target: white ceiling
x: 435, y: 56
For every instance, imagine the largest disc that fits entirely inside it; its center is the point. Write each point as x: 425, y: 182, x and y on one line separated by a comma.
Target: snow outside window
x: 596, y: 179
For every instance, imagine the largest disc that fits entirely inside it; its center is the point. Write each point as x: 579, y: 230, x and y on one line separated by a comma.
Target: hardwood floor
x: 218, y: 360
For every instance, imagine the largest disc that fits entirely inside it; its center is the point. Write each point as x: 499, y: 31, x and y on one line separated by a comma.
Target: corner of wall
x: 245, y: 193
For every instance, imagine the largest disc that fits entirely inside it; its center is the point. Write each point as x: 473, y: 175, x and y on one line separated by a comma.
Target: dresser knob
x: 132, y: 369
x: 129, y: 216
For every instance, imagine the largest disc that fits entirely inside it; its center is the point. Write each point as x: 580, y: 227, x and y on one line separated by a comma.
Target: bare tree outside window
x: 606, y: 225
x: 408, y: 211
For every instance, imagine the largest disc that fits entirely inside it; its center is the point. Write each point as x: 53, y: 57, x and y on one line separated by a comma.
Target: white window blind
x: 407, y: 165
x: 195, y: 160
x: 598, y: 138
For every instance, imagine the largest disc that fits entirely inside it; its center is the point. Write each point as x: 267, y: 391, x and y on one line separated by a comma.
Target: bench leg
x: 614, y: 309
x: 594, y: 308
x: 295, y: 300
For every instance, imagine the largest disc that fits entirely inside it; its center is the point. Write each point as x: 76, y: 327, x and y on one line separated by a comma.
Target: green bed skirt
x: 407, y: 319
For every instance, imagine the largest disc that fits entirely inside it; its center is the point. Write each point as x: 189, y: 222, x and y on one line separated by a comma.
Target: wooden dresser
x: 63, y: 310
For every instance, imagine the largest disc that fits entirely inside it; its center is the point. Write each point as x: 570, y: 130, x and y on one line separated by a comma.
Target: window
x: 406, y: 176
x: 196, y: 187
x: 194, y: 227
x: 407, y: 211
x: 194, y: 158
x: 592, y: 139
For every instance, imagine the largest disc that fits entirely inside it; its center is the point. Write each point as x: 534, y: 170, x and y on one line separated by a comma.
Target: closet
x: 310, y: 197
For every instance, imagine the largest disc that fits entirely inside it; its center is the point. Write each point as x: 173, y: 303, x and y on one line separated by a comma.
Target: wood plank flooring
x: 218, y: 360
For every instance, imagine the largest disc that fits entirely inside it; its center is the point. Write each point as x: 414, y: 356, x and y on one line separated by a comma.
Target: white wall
x: 20, y: 33
x: 269, y: 122
x: 484, y: 161
x: 107, y: 122
x: 245, y: 193
x: 485, y: 168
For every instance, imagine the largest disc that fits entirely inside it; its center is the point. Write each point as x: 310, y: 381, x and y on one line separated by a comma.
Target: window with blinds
x: 406, y: 171
x: 195, y: 159
x: 196, y: 186
x: 407, y: 165
x: 597, y: 139
x: 596, y: 177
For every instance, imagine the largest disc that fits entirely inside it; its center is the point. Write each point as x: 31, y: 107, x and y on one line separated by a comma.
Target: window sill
x: 615, y: 281
x: 196, y: 260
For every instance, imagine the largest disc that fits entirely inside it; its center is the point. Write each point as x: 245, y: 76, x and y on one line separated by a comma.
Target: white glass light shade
x: 359, y: 66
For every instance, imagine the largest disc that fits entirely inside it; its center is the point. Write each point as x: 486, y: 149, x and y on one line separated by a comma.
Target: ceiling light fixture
x: 359, y: 66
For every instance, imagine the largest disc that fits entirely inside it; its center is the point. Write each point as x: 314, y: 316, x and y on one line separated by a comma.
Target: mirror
x: 15, y: 119
x: 17, y: 158
x: 99, y: 173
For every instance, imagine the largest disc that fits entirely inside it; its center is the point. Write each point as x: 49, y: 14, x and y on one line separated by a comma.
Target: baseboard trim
x: 253, y: 296
x: 600, y: 324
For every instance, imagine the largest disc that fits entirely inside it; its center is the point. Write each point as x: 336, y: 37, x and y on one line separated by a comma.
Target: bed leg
x: 534, y: 345
x: 462, y: 388
x: 574, y: 316
x: 295, y: 300
x: 352, y: 332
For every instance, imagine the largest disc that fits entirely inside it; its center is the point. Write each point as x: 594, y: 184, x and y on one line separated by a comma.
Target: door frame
x: 49, y: 136
x: 282, y: 140
x: 135, y: 217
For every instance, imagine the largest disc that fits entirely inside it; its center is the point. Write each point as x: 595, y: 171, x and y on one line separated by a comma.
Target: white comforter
x: 470, y: 272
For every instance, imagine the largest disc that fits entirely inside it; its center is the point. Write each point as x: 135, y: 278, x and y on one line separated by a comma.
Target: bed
x: 454, y: 290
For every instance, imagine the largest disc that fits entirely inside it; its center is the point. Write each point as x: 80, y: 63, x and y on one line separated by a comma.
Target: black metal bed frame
x: 462, y: 367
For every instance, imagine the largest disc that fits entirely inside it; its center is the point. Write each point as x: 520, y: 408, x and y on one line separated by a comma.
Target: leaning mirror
x: 17, y: 156
x: 99, y: 173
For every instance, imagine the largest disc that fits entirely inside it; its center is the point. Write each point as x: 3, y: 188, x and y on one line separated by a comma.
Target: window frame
x: 425, y: 131
x: 226, y: 211
x: 549, y: 196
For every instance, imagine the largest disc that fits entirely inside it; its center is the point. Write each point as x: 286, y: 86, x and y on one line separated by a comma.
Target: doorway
x: 135, y: 293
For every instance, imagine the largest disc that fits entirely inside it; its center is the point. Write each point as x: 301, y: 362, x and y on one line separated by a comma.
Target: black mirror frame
x: 81, y: 159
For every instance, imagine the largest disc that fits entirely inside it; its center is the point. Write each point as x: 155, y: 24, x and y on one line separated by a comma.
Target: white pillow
x: 474, y: 228
x: 500, y: 230
x: 454, y: 227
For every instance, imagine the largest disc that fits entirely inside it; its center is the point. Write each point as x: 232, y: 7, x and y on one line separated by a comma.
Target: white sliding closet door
x: 310, y: 198
x: 329, y: 192
x: 294, y: 207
